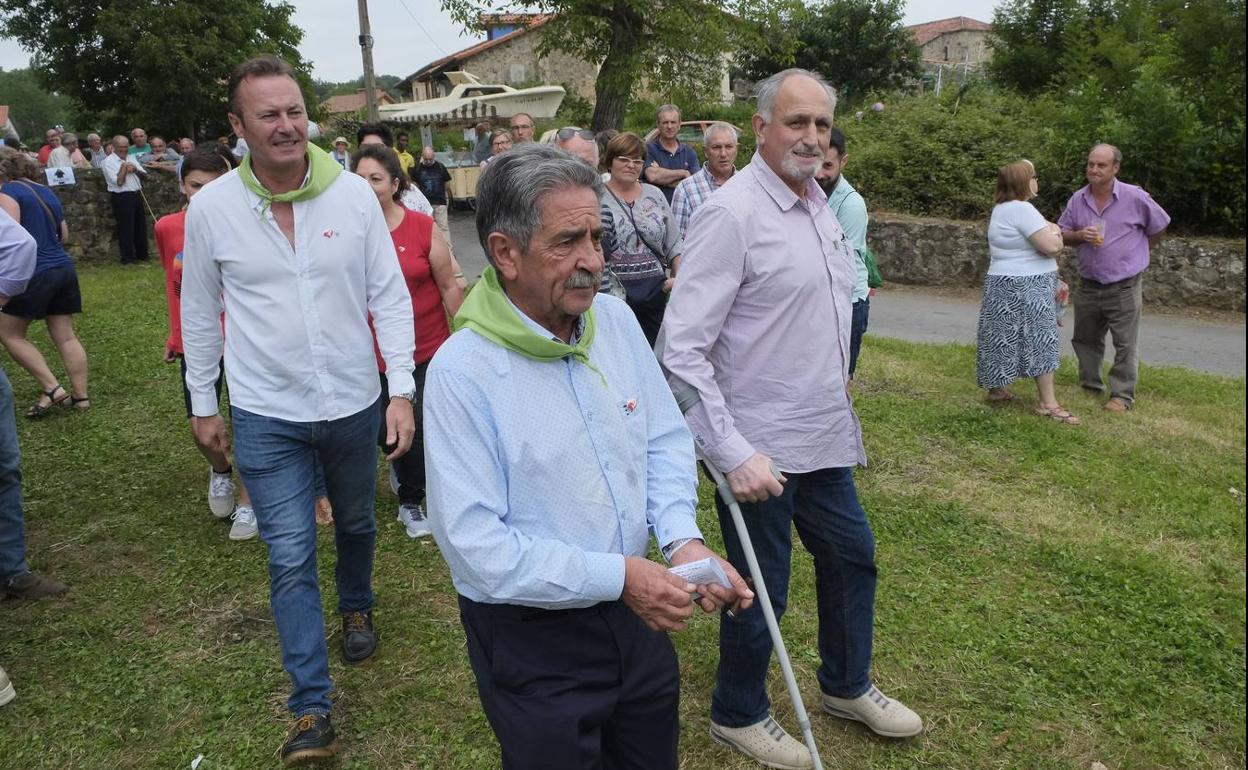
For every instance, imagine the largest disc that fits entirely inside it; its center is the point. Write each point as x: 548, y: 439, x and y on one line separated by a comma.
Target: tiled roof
x: 533, y: 21
x: 929, y: 31
x: 336, y: 105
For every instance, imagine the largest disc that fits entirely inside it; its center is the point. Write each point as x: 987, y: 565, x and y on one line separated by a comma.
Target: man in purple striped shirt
x: 1115, y: 225
x: 759, y: 323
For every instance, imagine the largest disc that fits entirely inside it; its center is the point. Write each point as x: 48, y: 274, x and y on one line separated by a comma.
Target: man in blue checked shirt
x: 553, y: 450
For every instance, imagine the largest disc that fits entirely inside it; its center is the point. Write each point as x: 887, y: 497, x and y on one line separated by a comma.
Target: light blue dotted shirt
x: 540, y: 478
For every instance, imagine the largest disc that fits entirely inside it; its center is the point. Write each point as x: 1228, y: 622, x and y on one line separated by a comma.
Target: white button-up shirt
x: 111, y: 167
x: 297, y: 343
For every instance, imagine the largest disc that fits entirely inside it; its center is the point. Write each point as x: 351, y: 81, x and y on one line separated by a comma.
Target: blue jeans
x: 857, y: 328
x: 276, y: 460
x: 12, y: 524
x: 824, y: 507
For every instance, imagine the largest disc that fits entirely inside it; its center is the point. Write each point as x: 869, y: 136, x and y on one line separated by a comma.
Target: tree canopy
x: 665, y: 45
x: 162, y: 66
x: 859, y: 46
x: 32, y: 109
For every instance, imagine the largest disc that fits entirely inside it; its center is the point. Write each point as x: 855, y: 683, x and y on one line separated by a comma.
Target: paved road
x: 918, y: 315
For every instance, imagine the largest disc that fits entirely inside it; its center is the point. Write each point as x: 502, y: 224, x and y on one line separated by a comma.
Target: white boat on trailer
x: 471, y: 99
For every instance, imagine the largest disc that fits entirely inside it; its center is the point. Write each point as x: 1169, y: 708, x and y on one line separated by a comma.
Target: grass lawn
x: 1050, y: 596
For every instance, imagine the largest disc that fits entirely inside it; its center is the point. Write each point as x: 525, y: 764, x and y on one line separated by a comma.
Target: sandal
x: 38, y: 410
x: 81, y: 404
x: 1005, y: 397
x: 1059, y: 414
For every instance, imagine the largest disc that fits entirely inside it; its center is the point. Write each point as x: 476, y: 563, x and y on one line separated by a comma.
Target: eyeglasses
x: 564, y: 134
x: 630, y: 161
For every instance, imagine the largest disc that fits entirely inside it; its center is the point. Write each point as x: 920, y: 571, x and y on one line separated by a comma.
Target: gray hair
x: 512, y: 186
x: 719, y: 127
x: 766, y: 91
x: 1117, y: 152
x: 68, y: 138
x: 666, y: 108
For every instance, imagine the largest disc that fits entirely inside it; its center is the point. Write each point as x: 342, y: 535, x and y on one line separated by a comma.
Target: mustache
x: 583, y: 279
x: 812, y: 149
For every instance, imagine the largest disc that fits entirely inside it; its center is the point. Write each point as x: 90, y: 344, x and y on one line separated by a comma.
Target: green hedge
x: 938, y: 156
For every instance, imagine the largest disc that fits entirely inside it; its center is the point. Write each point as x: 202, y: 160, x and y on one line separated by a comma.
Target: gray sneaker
x: 244, y: 526
x: 7, y: 693
x: 220, y: 494
x: 412, y: 517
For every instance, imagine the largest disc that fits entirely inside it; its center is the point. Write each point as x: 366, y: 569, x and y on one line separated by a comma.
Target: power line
x: 422, y: 28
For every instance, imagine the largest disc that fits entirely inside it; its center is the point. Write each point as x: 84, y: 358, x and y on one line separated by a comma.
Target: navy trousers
x: 583, y: 689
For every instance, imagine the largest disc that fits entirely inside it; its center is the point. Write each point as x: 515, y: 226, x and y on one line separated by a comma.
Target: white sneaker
x: 7, y: 693
x: 765, y: 742
x: 412, y: 517
x: 220, y: 494
x: 394, y: 479
x: 880, y: 713
x: 244, y: 526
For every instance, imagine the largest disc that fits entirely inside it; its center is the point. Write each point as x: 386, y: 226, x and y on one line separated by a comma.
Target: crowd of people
x: 529, y: 424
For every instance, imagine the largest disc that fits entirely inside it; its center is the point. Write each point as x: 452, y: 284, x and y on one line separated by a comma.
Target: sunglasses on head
x: 565, y: 134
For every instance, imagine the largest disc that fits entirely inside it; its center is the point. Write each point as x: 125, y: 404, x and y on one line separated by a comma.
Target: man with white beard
x: 759, y: 325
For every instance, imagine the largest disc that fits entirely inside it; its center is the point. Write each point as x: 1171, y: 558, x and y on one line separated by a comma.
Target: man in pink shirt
x: 759, y: 324
x: 1115, y: 225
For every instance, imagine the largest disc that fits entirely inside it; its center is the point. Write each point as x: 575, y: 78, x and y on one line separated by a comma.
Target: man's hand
x: 752, y: 481
x: 713, y: 596
x: 210, y: 433
x: 171, y: 355
x: 662, y: 600
x: 1088, y: 234
x: 400, y: 427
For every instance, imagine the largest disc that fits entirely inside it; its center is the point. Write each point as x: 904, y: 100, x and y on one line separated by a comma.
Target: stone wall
x: 516, y: 61
x: 1197, y: 272
x: 965, y: 46
x: 89, y: 213
x: 1183, y: 272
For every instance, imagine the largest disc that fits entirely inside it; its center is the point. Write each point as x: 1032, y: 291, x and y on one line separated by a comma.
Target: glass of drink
x: 1099, y: 224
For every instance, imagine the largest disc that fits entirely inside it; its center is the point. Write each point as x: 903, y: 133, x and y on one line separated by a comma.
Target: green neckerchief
x: 488, y: 312
x: 322, y: 171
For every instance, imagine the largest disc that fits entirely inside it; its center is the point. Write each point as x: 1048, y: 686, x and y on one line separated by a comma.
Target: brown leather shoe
x: 32, y: 585
x: 1116, y: 404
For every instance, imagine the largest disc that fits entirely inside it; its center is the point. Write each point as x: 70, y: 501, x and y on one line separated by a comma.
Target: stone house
x: 958, y: 41
x: 350, y: 104
x: 508, y: 56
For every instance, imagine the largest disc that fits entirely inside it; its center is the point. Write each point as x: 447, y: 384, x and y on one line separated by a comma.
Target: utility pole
x: 366, y: 50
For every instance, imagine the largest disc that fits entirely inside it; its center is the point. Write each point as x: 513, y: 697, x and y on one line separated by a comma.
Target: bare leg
x: 61, y: 329
x: 13, y: 336
x: 1044, y: 386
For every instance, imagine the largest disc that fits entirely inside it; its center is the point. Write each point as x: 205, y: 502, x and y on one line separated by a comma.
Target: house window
x: 946, y: 53
x: 517, y: 74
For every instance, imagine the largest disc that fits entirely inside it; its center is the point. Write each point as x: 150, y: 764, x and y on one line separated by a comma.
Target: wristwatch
x: 409, y: 396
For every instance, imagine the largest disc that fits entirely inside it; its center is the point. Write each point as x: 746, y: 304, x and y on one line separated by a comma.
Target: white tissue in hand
x: 700, y: 573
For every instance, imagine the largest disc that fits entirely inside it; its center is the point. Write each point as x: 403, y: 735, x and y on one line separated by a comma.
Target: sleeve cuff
x: 730, y: 453
x: 399, y: 381
x: 204, y: 404
x: 605, y: 580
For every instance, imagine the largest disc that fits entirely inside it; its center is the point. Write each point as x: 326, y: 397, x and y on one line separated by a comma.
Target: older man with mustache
x: 553, y: 447
x: 759, y: 324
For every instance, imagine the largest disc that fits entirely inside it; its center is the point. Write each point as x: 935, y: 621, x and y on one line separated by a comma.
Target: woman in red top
x: 430, y: 275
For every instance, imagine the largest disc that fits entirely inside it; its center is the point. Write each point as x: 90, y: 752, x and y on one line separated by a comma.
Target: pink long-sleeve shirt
x: 759, y: 322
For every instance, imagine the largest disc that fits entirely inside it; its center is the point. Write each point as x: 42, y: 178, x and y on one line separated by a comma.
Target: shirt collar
x: 258, y: 203
x: 706, y: 169
x: 840, y: 192
x: 577, y: 328
x: 784, y: 197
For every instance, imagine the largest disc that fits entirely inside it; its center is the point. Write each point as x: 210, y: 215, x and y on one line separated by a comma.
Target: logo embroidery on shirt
x: 629, y: 406
x: 329, y: 233
x: 402, y: 249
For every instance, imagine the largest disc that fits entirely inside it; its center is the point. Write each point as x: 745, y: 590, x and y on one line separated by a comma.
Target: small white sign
x: 60, y: 175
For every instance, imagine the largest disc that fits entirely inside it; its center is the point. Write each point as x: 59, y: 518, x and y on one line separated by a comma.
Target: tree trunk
x: 614, y: 86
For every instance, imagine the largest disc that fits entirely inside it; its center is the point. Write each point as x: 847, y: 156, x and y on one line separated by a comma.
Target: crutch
x: 686, y: 396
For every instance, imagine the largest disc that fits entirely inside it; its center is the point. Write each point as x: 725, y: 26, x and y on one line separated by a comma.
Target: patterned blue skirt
x: 1017, y: 329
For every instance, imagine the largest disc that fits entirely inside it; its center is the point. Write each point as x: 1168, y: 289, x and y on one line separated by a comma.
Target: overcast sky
x: 408, y: 34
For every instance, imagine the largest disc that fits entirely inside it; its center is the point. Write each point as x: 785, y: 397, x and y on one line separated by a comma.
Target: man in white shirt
x: 299, y: 252
x: 121, y: 176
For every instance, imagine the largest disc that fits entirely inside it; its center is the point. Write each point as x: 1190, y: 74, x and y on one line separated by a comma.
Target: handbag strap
x: 628, y: 209
x: 56, y: 231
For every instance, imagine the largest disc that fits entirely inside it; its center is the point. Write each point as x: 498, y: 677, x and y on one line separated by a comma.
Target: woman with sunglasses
x: 640, y: 239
